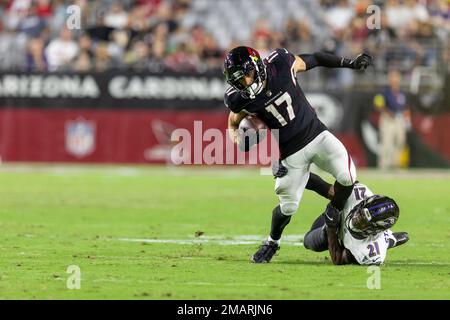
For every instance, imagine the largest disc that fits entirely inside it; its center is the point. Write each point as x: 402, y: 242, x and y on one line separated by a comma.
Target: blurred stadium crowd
x: 193, y: 35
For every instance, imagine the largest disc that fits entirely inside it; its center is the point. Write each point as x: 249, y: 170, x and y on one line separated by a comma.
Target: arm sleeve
x: 323, y: 59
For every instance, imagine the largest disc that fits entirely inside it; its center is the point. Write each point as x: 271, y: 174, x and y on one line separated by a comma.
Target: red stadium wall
x: 108, y: 136
x: 86, y: 117
x: 434, y: 131
x: 117, y: 136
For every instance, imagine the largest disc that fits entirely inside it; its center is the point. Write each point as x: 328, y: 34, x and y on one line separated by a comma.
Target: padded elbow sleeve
x: 310, y: 60
x: 323, y: 59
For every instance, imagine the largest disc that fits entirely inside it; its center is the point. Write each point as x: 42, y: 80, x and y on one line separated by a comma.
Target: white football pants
x: 325, y: 151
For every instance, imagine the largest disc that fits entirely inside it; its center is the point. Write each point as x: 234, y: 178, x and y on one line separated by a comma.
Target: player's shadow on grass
x: 392, y: 264
x: 304, y: 262
x: 273, y: 262
x: 284, y: 262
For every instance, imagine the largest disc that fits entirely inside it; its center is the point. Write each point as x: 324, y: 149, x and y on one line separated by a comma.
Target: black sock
x: 341, y: 194
x: 279, y: 221
x: 317, y: 184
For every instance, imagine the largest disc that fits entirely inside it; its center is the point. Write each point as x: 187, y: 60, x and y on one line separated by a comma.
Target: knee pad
x: 289, y: 208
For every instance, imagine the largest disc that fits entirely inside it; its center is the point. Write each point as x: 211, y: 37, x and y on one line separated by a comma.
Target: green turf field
x: 113, y: 223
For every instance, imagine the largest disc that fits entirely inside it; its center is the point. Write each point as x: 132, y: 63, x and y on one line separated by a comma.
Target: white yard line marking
x: 226, y: 171
x: 291, y: 240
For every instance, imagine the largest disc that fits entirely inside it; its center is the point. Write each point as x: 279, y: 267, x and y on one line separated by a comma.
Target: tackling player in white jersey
x: 360, y: 233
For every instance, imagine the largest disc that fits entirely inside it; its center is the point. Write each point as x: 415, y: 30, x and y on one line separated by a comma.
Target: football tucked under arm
x: 251, y: 131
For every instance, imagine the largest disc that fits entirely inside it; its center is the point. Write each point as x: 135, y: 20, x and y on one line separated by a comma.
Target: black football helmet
x: 372, y: 216
x: 245, y: 61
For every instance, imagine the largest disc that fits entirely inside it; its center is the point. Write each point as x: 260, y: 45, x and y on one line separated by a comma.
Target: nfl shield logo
x: 80, y: 137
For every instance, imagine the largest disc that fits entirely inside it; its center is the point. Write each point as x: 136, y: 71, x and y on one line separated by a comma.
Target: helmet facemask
x: 259, y: 75
x: 372, y: 216
x: 359, y: 224
x: 235, y: 76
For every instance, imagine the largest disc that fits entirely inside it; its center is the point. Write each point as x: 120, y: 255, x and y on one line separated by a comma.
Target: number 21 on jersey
x: 285, y: 97
x: 374, y: 249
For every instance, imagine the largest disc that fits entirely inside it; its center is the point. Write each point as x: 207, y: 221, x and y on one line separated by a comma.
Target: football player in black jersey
x: 269, y: 89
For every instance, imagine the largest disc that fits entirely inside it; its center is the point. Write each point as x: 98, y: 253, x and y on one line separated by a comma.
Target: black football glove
x: 278, y: 170
x: 332, y: 216
x: 361, y: 62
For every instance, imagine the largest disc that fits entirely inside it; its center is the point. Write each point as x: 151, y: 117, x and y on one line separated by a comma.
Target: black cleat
x: 265, y: 252
x: 400, y: 238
